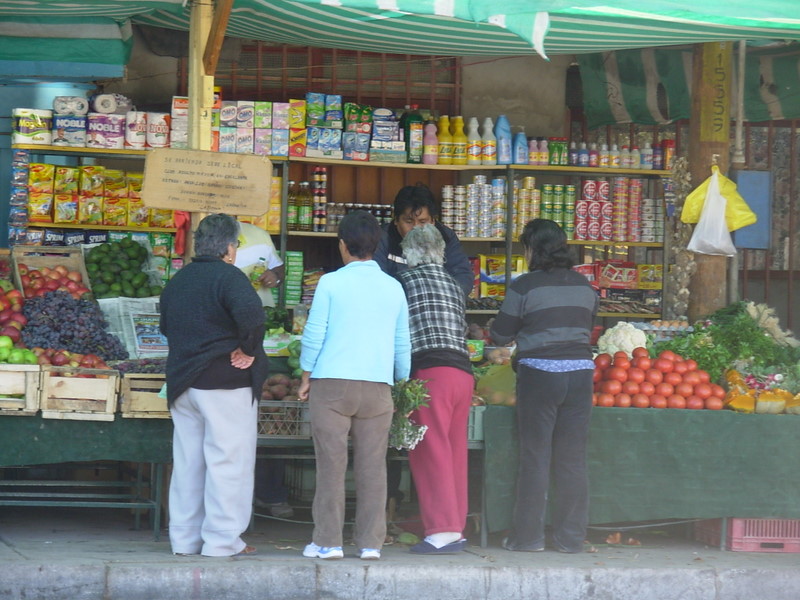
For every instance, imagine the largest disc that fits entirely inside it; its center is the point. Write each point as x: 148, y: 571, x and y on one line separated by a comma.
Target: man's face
x: 410, y: 219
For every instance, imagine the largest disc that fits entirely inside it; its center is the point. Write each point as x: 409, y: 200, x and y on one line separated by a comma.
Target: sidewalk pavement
x: 94, y: 554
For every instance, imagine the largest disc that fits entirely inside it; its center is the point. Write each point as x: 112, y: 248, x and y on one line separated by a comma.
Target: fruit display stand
x: 78, y: 394
x: 19, y: 389
x: 37, y: 257
x: 655, y: 464
x: 139, y: 396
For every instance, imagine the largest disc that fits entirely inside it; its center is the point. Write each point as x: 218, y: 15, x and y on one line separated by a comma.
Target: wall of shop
x: 529, y: 90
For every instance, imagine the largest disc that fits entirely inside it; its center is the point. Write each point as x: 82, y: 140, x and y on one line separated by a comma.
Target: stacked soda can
x: 447, y: 211
x: 558, y: 204
x: 568, y: 216
x: 319, y: 189
x: 586, y: 199
x: 652, y: 215
x: 547, y: 201
x: 635, y: 195
x: 460, y: 210
x: 478, y: 204
x: 619, y: 209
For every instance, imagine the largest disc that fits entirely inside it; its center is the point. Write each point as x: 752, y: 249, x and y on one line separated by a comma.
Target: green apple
x: 6, y: 342
x: 30, y: 357
x: 16, y: 357
x: 4, y: 352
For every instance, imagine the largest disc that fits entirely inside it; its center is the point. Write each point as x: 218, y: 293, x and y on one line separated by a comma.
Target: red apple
x: 5, y: 315
x: 15, y: 324
x: 14, y: 295
x: 75, y: 276
x: 60, y: 358
x: 71, y: 286
x: 43, y: 360
x: 22, y: 268
x: 25, y: 280
x: 11, y: 332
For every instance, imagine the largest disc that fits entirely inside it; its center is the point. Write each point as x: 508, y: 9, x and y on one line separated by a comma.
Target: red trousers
x: 439, y: 462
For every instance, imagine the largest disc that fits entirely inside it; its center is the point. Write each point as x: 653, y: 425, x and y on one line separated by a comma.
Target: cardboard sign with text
x: 203, y: 181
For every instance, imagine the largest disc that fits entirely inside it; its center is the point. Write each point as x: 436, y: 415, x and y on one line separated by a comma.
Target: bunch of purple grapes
x: 57, y: 320
x: 141, y: 365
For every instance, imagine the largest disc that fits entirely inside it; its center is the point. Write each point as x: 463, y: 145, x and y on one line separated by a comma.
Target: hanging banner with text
x: 203, y: 181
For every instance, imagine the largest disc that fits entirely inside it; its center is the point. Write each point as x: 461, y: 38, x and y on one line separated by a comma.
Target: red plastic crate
x: 751, y: 535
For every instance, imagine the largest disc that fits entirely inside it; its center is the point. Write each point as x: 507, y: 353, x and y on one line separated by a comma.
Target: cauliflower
x: 622, y: 336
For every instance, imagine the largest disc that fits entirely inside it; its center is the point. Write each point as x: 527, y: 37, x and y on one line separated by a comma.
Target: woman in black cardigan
x: 214, y: 324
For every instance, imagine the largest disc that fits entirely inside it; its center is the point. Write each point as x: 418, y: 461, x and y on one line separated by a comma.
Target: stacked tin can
x: 497, y: 220
x: 526, y: 207
x: 635, y: 195
x: 619, y: 216
x: 652, y: 215
x: 568, y: 212
x: 447, y: 211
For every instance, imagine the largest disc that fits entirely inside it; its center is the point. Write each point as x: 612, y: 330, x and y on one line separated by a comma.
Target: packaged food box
x: 651, y: 277
x: 621, y: 275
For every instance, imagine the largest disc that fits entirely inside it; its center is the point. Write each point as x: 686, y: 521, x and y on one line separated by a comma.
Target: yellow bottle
x: 445, y: 141
x: 459, y: 141
x: 258, y: 270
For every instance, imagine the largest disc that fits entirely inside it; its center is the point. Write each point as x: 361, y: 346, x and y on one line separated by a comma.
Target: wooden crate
x: 138, y: 396
x: 19, y: 389
x: 36, y: 257
x: 69, y: 393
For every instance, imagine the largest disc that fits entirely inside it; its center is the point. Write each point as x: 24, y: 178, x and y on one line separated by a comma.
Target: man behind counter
x: 415, y: 205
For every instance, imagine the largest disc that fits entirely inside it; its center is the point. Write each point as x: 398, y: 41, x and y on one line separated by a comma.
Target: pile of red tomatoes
x: 667, y: 381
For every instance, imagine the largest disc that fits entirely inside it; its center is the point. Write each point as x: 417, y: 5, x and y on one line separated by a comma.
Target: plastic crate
x: 475, y: 424
x: 283, y: 419
x: 751, y: 535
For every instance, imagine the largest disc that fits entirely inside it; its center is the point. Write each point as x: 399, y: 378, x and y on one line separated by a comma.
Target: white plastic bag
x: 711, y: 235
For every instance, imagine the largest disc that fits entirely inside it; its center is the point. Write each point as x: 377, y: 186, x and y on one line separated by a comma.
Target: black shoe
x: 513, y: 546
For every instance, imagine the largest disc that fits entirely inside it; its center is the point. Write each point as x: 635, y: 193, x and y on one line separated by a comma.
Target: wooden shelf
x: 83, y: 151
x: 103, y: 227
x: 614, y: 243
x: 325, y: 234
x: 482, y: 311
x: 587, y: 171
x: 630, y: 315
x: 391, y: 165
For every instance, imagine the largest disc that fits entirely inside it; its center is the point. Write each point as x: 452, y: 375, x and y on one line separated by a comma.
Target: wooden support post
x: 709, y: 140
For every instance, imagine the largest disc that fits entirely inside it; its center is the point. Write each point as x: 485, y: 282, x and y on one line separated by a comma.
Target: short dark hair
x: 360, y: 232
x: 415, y: 197
x: 546, y: 245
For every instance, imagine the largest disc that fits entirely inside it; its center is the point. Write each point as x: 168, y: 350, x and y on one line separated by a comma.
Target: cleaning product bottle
x: 533, y: 152
x: 583, y: 155
x: 502, y: 131
x: 445, y: 141
x: 603, y: 162
x: 459, y: 141
x: 520, y: 148
x: 413, y: 135
x: 647, y: 156
x: 489, y: 153
x: 474, y: 143
x: 572, y: 156
x: 430, y: 144
x: 594, y: 156
x: 613, y: 157
x: 625, y: 157
x: 658, y: 157
x: 636, y: 158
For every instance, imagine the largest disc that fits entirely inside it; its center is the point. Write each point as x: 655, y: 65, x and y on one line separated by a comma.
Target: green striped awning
x: 459, y: 27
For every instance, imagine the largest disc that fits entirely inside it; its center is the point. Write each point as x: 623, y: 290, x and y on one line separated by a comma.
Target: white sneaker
x: 314, y: 551
x: 370, y: 554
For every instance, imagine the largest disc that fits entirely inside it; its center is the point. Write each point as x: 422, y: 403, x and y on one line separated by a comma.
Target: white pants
x: 214, y: 454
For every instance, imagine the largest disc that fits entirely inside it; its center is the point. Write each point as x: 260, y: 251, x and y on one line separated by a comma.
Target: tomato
x: 680, y: 367
x: 621, y: 354
x: 695, y: 403
x: 717, y: 391
x: 704, y: 376
x: 642, y: 362
x: 664, y: 365
x: 605, y: 400
x: 675, y: 401
x: 597, y: 375
x: 684, y: 389
x: 654, y: 376
x: 636, y: 375
x: 640, y: 401
x: 692, y: 378
x: 622, y: 363
x: 611, y: 386
x: 630, y: 387
x: 664, y: 389
x: 658, y: 401
x: 640, y: 352
x: 672, y: 378
x: 647, y: 388
x: 617, y: 373
x: 669, y: 355
x: 713, y: 403
x: 622, y: 401
x: 602, y: 361
x: 692, y: 364
x: 702, y: 390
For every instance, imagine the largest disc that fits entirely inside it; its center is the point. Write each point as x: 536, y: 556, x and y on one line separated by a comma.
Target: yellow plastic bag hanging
x: 498, y: 385
x: 737, y: 213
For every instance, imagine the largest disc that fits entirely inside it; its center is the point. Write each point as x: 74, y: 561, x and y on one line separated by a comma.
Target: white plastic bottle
x: 613, y: 157
x: 474, y: 142
x: 636, y: 158
x: 594, y: 156
x: 625, y: 158
x: 533, y: 152
x: 603, y: 159
x: 489, y: 141
x: 647, y: 156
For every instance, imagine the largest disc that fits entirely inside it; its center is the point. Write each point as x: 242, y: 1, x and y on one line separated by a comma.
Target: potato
x: 279, y: 391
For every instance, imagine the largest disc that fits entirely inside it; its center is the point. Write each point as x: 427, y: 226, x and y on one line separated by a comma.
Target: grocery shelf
x: 102, y: 227
x: 482, y: 311
x: 375, y: 163
x: 483, y: 239
x: 328, y: 234
x: 630, y: 315
x: 587, y: 171
x: 615, y: 243
x: 81, y: 151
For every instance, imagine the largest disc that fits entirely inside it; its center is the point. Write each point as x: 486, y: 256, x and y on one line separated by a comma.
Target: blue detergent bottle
x: 502, y: 131
x: 520, y: 148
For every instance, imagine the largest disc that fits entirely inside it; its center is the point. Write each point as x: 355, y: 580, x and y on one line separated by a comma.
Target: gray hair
x: 214, y: 234
x: 423, y: 245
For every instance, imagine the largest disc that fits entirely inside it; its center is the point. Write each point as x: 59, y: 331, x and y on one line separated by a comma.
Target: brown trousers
x: 364, y: 410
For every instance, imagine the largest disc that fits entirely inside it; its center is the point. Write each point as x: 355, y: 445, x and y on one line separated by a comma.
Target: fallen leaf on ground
x: 614, y: 538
